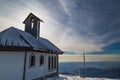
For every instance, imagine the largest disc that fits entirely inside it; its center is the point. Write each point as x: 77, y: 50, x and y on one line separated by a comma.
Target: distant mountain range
x: 96, y: 72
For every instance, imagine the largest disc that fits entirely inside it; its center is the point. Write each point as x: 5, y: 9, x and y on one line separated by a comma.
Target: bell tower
x: 32, y: 25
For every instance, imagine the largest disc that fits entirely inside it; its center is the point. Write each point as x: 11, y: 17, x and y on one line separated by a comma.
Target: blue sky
x: 74, y: 26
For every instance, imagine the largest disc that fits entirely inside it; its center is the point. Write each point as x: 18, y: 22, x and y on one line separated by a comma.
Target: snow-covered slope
x: 99, y: 79
x: 69, y: 77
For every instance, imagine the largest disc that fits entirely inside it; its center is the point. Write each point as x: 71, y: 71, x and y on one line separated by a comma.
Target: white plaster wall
x: 11, y: 65
x: 37, y: 71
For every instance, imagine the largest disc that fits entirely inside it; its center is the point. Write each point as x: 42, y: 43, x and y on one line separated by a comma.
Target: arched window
x: 32, y: 60
x: 49, y: 63
x: 55, y: 60
x: 32, y: 23
x: 52, y: 61
x: 41, y: 59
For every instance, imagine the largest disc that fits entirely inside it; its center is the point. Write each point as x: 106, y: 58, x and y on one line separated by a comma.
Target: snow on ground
x: 100, y: 79
x: 69, y: 77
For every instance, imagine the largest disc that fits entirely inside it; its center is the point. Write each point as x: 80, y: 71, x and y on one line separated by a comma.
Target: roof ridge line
x: 4, y: 31
x: 22, y: 37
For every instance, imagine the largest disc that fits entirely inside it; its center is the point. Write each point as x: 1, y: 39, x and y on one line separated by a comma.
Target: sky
x: 75, y: 26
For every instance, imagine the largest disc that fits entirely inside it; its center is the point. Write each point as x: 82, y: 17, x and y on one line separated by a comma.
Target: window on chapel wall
x: 41, y: 60
x: 52, y: 62
x: 55, y: 62
x: 32, y: 60
x: 49, y: 63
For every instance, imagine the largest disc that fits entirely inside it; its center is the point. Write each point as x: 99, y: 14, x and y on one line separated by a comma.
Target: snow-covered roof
x: 13, y: 37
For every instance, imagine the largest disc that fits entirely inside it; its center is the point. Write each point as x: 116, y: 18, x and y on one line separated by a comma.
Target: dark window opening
x: 32, y: 60
x: 41, y: 60
x: 49, y: 63
x: 55, y: 64
x: 52, y: 61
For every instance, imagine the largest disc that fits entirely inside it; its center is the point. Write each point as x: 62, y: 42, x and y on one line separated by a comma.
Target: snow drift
x: 71, y: 77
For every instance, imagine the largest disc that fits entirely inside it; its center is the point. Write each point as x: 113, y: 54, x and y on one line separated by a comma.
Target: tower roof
x: 31, y: 14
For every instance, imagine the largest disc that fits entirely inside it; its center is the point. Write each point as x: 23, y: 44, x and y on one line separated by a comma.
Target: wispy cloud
x: 73, y: 25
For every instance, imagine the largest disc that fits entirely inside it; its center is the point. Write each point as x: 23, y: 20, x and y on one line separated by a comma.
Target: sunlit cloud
x: 73, y: 25
x: 79, y: 58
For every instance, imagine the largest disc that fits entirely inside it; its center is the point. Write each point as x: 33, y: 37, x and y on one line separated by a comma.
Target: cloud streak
x: 73, y: 25
x: 79, y: 58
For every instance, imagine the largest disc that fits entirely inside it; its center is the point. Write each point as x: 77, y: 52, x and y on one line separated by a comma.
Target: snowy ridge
x: 71, y: 77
